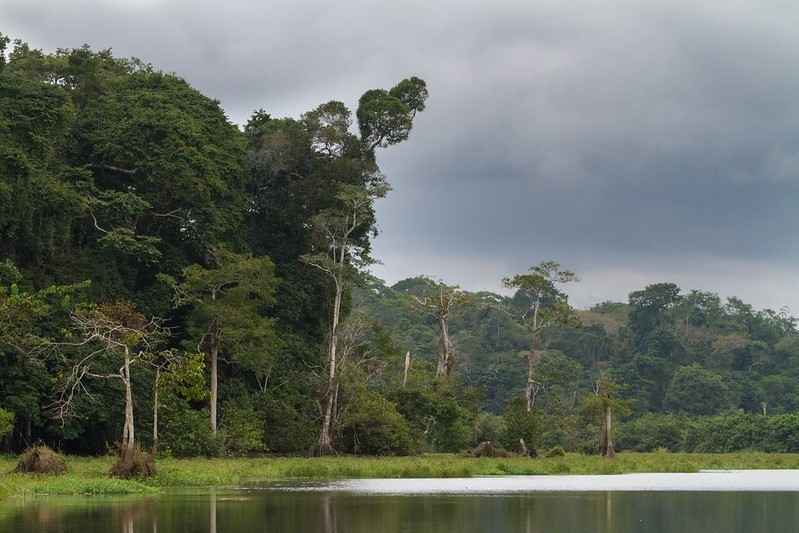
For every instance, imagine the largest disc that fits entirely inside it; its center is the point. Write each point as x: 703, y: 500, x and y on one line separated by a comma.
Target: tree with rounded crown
x: 538, y: 305
x: 340, y: 231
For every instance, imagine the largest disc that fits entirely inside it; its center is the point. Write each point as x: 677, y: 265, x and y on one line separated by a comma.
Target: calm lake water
x: 730, y: 502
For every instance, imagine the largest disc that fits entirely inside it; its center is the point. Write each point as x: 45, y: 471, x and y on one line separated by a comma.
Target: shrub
x: 6, y: 422
x: 521, y: 425
x: 243, y: 430
x: 140, y: 465
x: 372, y: 425
x: 743, y: 431
x: 286, y: 426
x: 434, y: 419
x: 186, y: 432
x: 487, y: 427
x: 653, y: 431
x: 557, y: 451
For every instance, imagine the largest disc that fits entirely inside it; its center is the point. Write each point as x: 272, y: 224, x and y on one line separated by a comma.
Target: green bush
x: 436, y: 421
x: 6, y: 422
x: 557, y: 451
x: 521, y: 424
x: 487, y: 427
x: 287, y: 426
x: 243, y: 428
x: 186, y: 432
x: 744, y: 432
x: 653, y: 431
x: 373, y: 426
x: 784, y: 433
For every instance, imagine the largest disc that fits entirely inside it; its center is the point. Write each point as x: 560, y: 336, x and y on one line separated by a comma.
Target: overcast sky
x: 632, y: 142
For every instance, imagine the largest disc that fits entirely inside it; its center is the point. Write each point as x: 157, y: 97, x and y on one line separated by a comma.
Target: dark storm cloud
x: 632, y: 142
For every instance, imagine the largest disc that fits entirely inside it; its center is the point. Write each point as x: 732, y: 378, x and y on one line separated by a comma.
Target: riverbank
x: 87, y: 475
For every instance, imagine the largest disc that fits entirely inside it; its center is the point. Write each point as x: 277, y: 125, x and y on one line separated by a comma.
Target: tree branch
x: 103, y: 166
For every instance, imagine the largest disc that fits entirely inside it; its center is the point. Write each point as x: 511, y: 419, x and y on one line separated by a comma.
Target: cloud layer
x: 631, y: 142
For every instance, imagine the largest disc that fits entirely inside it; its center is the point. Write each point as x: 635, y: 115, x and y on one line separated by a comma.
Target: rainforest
x: 170, y: 281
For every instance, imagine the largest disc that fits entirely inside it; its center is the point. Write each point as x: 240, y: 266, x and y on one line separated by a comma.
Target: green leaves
x: 339, y: 226
x: 160, y: 139
x: 3, y: 43
x: 412, y: 92
x: 329, y: 125
x: 537, y: 302
x: 6, y: 422
x: 386, y: 117
x: 227, y: 306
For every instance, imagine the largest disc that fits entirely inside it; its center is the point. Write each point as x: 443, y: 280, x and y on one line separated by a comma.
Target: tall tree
x: 338, y: 243
x: 441, y: 301
x: 652, y: 309
x: 606, y: 403
x: 4, y: 40
x: 341, y: 261
x: 226, y: 316
x: 386, y: 117
x: 39, y: 202
x: 538, y: 305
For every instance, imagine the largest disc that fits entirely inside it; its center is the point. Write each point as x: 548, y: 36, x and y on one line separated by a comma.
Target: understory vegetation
x: 174, y: 286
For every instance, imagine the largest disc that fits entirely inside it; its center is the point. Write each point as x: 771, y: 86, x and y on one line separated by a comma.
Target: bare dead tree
x: 108, y: 333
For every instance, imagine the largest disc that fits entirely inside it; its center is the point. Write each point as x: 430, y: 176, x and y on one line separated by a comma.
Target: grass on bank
x: 87, y: 475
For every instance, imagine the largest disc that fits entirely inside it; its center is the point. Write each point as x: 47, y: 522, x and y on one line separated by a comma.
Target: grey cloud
x: 627, y: 140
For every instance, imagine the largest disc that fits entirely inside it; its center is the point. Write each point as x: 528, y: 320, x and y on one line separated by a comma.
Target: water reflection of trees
x: 334, y: 512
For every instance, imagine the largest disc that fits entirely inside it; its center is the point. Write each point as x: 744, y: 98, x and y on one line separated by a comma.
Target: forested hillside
x: 169, y: 278
x: 672, y: 357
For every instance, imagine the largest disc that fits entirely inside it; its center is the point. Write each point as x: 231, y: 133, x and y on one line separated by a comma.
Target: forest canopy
x: 225, y: 271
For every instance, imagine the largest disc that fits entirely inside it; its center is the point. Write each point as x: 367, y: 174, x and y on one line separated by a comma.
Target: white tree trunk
x: 610, y: 452
x: 533, y: 358
x: 325, y: 445
x: 128, y: 437
x: 214, y: 352
x: 445, y: 350
x: 155, y: 410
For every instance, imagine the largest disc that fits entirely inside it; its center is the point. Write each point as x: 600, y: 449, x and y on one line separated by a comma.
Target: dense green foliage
x: 680, y: 359
x: 124, y: 187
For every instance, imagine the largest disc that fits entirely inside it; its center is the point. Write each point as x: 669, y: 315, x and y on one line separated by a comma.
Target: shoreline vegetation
x: 88, y: 475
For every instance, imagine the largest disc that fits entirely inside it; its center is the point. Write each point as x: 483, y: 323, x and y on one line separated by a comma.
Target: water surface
x: 706, y: 502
